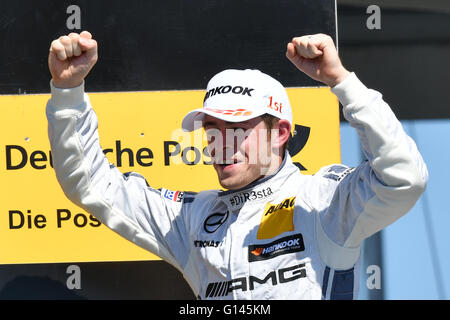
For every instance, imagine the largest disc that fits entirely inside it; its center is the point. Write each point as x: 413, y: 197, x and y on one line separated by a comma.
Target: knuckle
x: 298, y: 40
x: 304, y: 43
x: 65, y: 40
x: 56, y: 45
x: 305, y: 39
x: 86, y: 33
x: 326, y: 37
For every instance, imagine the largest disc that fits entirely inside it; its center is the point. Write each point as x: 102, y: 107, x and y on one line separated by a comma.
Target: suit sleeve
x: 123, y: 202
x: 387, y: 185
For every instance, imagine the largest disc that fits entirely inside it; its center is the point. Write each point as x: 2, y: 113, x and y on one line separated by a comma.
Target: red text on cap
x: 275, y: 105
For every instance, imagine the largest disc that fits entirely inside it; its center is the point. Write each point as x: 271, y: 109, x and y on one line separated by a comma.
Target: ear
x: 284, y: 131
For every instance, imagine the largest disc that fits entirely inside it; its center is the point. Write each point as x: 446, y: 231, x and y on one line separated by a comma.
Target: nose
x: 222, y: 144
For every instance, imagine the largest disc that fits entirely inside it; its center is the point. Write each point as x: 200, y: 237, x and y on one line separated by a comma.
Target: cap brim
x: 194, y: 119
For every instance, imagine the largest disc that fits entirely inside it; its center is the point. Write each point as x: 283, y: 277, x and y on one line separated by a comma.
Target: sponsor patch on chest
x: 276, y: 219
x: 275, y: 248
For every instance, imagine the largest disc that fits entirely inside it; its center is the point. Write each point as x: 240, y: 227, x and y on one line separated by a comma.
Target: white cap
x: 240, y: 95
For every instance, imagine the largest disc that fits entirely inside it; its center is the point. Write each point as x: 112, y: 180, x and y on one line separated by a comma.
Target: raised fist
x: 316, y: 56
x: 71, y: 58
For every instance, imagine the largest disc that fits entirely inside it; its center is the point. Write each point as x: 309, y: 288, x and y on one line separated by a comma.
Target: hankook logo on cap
x: 214, y: 221
x: 228, y: 89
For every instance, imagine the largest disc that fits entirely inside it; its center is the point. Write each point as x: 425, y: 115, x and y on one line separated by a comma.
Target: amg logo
x: 226, y: 89
x: 224, y: 288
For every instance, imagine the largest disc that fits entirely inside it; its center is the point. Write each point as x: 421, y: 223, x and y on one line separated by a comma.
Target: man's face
x: 240, y: 150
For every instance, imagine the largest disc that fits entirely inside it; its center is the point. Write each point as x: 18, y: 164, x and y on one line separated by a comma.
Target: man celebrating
x: 275, y: 233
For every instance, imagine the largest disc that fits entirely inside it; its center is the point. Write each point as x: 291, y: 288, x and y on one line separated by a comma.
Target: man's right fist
x: 71, y: 58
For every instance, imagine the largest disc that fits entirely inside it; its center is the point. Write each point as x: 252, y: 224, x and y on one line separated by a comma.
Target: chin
x: 238, y: 178
x: 236, y: 182
x: 232, y: 182
x: 229, y: 185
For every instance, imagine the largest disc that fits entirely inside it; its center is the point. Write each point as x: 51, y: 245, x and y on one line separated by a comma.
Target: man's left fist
x: 316, y: 55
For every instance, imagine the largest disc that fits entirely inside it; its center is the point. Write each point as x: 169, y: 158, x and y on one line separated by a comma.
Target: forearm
x: 83, y: 171
x: 73, y: 128
x: 392, y: 154
x: 123, y: 203
x: 388, y: 186
x: 63, y: 110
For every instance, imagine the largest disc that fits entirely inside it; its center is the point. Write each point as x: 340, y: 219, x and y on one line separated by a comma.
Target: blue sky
x: 416, y: 248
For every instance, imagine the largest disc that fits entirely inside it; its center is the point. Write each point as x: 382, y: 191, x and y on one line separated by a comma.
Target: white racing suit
x: 286, y: 236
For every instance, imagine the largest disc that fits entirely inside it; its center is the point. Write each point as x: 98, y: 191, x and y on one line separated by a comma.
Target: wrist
x: 64, y: 84
x: 350, y: 91
x: 339, y: 77
x: 67, y: 97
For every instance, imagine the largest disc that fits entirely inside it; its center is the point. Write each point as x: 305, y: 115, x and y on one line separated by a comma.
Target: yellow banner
x: 139, y: 131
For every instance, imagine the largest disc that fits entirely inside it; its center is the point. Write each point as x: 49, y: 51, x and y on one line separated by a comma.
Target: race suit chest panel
x: 263, y: 249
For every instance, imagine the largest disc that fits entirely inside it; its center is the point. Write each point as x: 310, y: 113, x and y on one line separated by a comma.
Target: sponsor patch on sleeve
x: 176, y: 196
x: 335, y: 172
